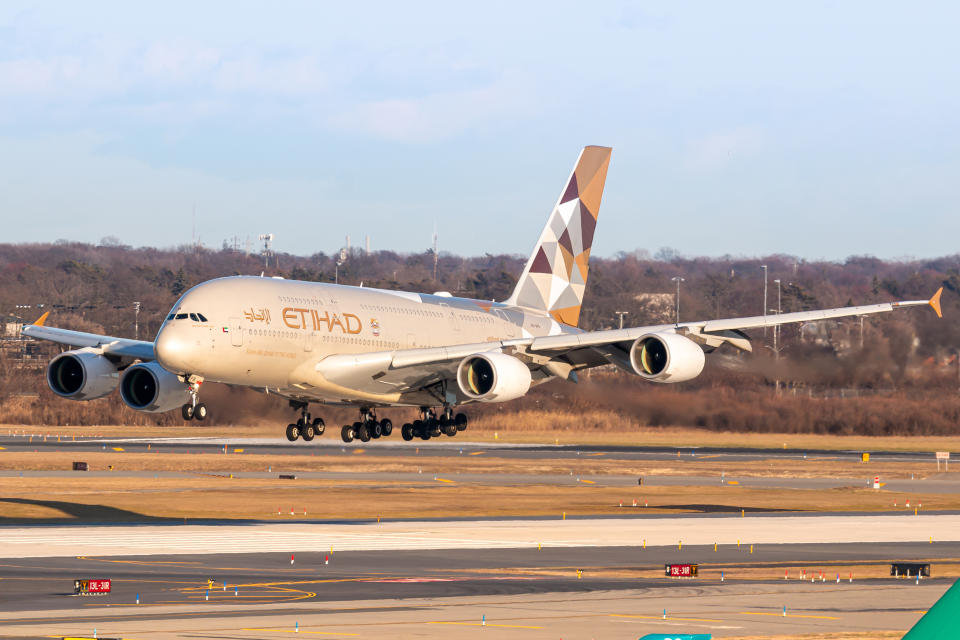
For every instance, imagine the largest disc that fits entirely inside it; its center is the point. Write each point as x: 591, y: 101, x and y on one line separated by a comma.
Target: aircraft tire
x: 347, y: 433
x: 449, y: 429
x: 461, y: 421
x: 375, y: 430
x: 293, y: 432
x: 307, y: 433
x: 363, y: 434
x: 318, y: 426
x: 433, y: 427
x: 386, y: 426
x: 200, y: 412
x: 406, y: 432
x: 187, y: 411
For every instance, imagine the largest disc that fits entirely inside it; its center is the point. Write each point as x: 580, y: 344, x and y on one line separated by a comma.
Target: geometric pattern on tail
x: 555, y: 276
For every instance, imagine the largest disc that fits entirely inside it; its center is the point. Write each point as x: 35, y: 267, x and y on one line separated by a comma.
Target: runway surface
x: 442, y: 446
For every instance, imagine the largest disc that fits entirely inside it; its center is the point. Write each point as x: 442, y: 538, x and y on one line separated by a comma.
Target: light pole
x: 621, y: 314
x: 764, y: 267
x: 678, y: 280
x: 776, y: 329
x: 136, y: 320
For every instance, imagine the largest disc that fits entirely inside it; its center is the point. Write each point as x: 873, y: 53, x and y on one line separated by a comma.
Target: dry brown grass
x: 362, y: 460
x: 133, y: 498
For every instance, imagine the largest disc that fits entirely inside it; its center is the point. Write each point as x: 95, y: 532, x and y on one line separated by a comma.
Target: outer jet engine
x: 81, y: 375
x: 666, y: 357
x: 493, y: 377
x: 149, y: 387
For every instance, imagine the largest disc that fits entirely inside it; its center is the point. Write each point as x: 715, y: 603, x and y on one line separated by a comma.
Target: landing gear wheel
x: 200, y: 411
x: 375, y: 430
x: 307, y: 432
x: 406, y: 432
x: 449, y: 429
x: 293, y: 432
x: 386, y: 427
x: 187, y: 411
x: 461, y: 421
x: 363, y: 433
x: 433, y: 426
x: 318, y: 426
x: 347, y: 433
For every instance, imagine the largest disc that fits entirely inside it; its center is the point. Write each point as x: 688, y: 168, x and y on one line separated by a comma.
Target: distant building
x: 10, y: 326
x: 659, y: 306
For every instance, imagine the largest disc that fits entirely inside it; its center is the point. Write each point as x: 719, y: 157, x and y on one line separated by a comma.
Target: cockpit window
x: 170, y: 317
x: 181, y: 316
x: 202, y: 318
x: 194, y: 317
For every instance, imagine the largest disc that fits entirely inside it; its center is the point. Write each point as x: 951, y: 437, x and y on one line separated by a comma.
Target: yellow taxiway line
x: 489, y: 624
x: 789, y: 615
x: 624, y: 615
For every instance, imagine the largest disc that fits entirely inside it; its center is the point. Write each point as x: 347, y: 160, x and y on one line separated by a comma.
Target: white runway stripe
x: 51, y: 541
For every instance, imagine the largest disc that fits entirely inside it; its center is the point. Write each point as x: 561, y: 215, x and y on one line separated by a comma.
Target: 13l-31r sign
x: 91, y: 587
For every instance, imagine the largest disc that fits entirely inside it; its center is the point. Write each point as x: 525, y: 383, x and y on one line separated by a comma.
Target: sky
x: 816, y: 129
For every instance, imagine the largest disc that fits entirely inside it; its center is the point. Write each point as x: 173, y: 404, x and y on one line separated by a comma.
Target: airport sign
x: 91, y: 587
x: 680, y: 570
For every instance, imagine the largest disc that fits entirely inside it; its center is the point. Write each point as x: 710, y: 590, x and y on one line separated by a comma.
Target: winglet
x: 935, y: 302
x: 39, y: 321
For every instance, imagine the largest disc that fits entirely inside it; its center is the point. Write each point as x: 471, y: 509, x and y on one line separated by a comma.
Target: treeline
x: 900, y: 355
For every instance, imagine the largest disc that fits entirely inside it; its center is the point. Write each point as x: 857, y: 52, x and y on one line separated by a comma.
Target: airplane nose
x: 172, y: 350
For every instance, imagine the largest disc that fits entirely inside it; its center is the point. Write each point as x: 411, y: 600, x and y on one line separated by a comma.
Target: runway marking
x: 594, y: 455
x: 357, y: 452
x: 475, y: 453
x: 715, y: 455
x: 479, y: 624
x: 319, y: 633
x: 789, y: 615
x: 625, y: 615
x: 588, y: 482
x: 238, y: 450
x: 118, y: 449
x: 733, y: 482
x: 445, y: 480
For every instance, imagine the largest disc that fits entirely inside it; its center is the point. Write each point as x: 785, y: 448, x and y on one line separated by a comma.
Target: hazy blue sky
x: 821, y: 129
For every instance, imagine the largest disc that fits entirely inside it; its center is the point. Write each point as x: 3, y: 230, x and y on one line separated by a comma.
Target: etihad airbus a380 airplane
x: 325, y: 343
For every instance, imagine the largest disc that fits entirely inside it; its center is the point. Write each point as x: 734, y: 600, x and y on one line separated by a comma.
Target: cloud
x: 721, y: 149
x: 438, y: 115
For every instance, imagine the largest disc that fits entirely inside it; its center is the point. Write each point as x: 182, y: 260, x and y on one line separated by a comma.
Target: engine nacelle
x: 149, y: 387
x: 493, y: 377
x: 666, y: 357
x: 82, y: 375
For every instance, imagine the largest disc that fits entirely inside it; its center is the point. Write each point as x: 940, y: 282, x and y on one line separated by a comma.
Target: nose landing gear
x: 194, y: 410
x: 305, y: 427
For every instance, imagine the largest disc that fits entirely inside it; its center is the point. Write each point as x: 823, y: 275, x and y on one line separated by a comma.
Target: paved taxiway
x: 519, y: 593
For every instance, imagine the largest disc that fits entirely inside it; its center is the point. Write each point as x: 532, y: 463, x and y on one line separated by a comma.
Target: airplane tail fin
x: 942, y: 621
x: 555, y: 276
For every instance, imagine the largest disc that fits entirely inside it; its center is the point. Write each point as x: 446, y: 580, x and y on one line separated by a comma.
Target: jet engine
x: 666, y: 357
x: 493, y: 377
x: 81, y: 375
x: 149, y: 387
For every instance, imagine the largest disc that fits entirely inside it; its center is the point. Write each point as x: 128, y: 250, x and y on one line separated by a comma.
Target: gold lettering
x: 336, y: 321
x: 303, y: 317
x: 349, y: 317
x: 289, y: 317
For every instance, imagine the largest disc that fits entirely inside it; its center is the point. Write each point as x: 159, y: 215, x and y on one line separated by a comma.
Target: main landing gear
x: 305, y: 427
x: 194, y: 410
x: 366, y: 428
x: 430, y: 425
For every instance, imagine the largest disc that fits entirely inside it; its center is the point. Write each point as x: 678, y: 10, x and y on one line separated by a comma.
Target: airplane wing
x: 713, y: 333
x: 406, y: 370
x: 108, y: 345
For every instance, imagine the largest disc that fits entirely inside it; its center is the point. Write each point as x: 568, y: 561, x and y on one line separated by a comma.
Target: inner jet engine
x: 666, y: 357
x: 81, y: 375
x: 149, y: 387
x: 493, y: 377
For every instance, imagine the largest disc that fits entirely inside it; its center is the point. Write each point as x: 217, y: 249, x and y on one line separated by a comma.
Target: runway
x: 442, y: 447
x: 575, y: 592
